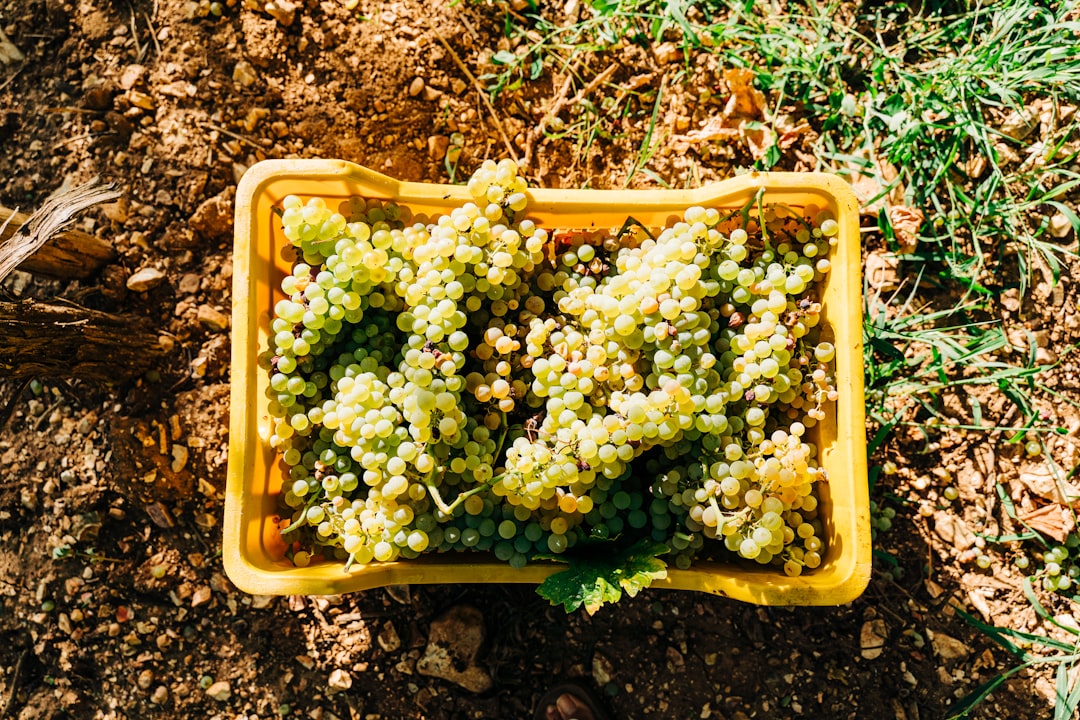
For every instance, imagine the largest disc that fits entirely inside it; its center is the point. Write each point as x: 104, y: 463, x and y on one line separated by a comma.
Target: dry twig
x: 57, y: 212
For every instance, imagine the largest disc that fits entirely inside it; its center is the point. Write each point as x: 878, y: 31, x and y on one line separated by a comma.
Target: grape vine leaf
x: 591, y: 581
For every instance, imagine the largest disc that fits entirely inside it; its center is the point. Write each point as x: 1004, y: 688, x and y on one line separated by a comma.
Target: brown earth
x: 172, y: 104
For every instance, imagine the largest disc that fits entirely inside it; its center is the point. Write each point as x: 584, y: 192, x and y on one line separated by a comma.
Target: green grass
x: 926, y: 90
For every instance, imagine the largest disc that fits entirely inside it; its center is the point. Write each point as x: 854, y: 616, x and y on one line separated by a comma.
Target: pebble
x: 201, y: 596
x: 1018, y: 125
x: 454, y: 639
x: 211, y: 318
x: 160, y: 695
x: 282, y: 10
x: 180, y: 457
x: 145, y: 279
x: 416, y: 87
x: 261, y: 602
x: 131, y: 76
x: 189, y: 284
x: 947, y: 647
x: 244, y: 74
x: 339, y: 681
x: 667, y: 53
x: 213, y: 218
x: 437, y: 146
x: 1060, y: 227
x: 145, y: 679
x: 220, y: 691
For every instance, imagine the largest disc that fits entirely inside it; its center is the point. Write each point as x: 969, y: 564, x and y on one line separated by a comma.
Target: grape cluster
x: 468, y: 382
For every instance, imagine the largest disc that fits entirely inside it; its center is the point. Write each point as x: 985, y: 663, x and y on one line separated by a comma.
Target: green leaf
x: 590, y: 582
x: 504, y: 57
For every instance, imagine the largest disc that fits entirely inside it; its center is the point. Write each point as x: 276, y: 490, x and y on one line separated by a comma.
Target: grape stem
x: 434, y: 491
x: 299, y: 522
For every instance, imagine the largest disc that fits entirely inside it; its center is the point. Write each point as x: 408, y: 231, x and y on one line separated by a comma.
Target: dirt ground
x: 113, y: 601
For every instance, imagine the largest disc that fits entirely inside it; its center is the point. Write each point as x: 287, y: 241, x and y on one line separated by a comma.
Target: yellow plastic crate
x: 253, y: 549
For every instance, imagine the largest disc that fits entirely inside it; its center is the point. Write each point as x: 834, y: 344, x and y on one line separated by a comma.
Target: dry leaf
x: 881, y: 270
x: 759, y: 140
x: 1041, y: 481
x: 8, y: 52
x: 715, y: 128
x: 1052, y: 520
x: 746, y: 100
x: 905, y: 223
x: 953, y: 531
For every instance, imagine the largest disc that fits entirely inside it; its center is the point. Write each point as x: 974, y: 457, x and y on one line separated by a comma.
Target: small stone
x: 948, y: 647
x: 416, y: 87
x: 244, y: 74
x: 145, y: 679
x: 212, y: 319
x: 388, y: 638
x: 145, y: 279
x: 180, y: 457
x: 201, y: 596
x: 189, y: 284
x: 213, y: 218
x: 667, y: 53
x: 160, y: 695
x: 261, y: 602
x: 141, y: 100
x: 872, y: 638
x: 117, y: 211
x: 282, y: 10
x: 220, y: 691
x: 1060, y: 227
x: 131, y: 76
x: 432, y: 94
x: 160, y: 515
x: 99, y: 97
x: 1045, y: 356
x: 306, y: 661
x: 458, y: 86
x: 339, y: 681
x: 437, y: 146
x: 1018, y: 125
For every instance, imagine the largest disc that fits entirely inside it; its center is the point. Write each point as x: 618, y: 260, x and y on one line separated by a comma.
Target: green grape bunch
x: 474, y: 381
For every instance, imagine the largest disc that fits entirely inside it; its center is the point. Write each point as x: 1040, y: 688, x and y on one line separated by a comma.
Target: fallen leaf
x: 905, y: 223
x: 881, y: 270
x: 715, y: 128
x: 1052, y: 520
x: 746, y: 100
x: 1041, y: 481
